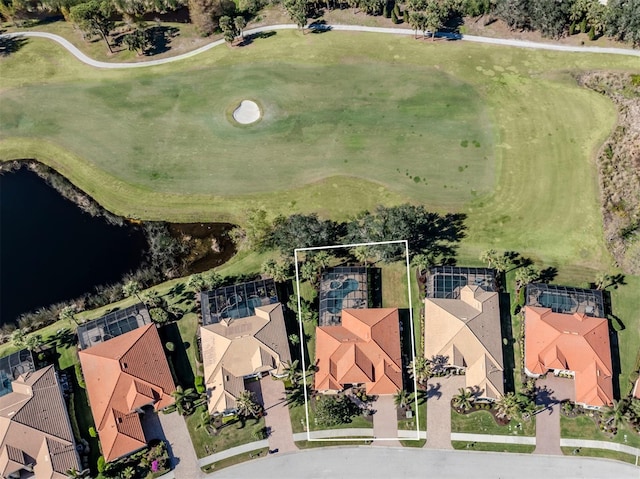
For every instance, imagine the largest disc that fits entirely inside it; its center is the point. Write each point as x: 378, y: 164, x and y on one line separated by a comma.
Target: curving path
x: 346, y: 28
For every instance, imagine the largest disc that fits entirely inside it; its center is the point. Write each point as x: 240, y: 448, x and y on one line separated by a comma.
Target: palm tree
x: 401, y: 398
x: 422, y: 369
x: 361, y: 254
x: 294, y: 339
x: 602, y: 281
x: 17, y: 338
x: 75, y: 474
x: 507, y: 406
x: 247, y: 405
x: 463, y: 400
x: 132, y: 288
x: 633, y: 411
x: 309, y: 271
x: 205, y: 420
x: 615, y: 415
x: 184, y: 399
x: 68, y: 313
x: 33, y: 342
x: 526, y: 275
x: 291, y: 371
x: 196, y: 283
x: 422, y: 261
x: 489, y: 256
x: 322, y: 259
x: 239, y: 22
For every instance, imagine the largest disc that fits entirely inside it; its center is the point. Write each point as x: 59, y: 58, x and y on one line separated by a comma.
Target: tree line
x: 619, y: 19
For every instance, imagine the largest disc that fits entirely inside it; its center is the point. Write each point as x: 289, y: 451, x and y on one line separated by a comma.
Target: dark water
x: 51, y: 251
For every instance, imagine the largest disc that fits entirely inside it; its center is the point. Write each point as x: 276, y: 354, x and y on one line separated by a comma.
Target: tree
x: 17, y: 338
x: 515, y: 13
x: 239, y: 22
x: 256, y: 232
x: 361, y: 254
x: 633, y: 411
x: 184, y: 399
x: 334, y: 410
x: 33, y: 342
x: 137, y: 40
x: 550, y: 17
x: 294, y: 339
x: 422, y: 369
x: 615, y: 414
x: 416, y: 20
x: 279, y: 271
x: 309, y: 271
x: 228, y: 28
x: 128, y: 473
x: 322, y: 259
x: 423, y: 262
x: 489, y: 256
x: 94, y: 17
x: 300, y: 231
x: 602, y: 280
x: 246, y: 404
x: 526, y: 275
x: 68, y: 313
x: 623, y: 20
x: 298, y: 11
x: 201, y: 13
x: 132, y: 288
x: 507, y: 406
x: 75, y: 474
x: 463, y: 400
x: 401, y: 398
x: 196, y: 282
x: 434, y: 15
x: 292, y: 372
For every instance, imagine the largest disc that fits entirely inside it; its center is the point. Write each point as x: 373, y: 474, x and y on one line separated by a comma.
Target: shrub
x: 394, y: 17
x: 592, y: 34
x: 199, y: 384
x: 79, y: 377
x: 386, y: 11
x: 159, y: 315
x: 170, y: 346
x: 101, y: 465
x: 259, y: 433
x: 92, y: 432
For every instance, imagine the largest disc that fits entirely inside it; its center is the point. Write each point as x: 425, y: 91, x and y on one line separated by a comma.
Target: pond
x: 51, y: 251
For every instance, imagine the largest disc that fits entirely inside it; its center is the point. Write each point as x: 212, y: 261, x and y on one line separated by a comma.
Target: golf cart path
x: 348, y: 28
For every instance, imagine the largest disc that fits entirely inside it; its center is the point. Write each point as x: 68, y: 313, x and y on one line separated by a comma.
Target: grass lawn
x: 585, y: 451
x: 229, y: 436
x: 583, y: 427
x: 205, y: 166
x: 482, y: 422
x: 410, y: 424
x: 495, y: 447
x: 310, y: 444
x: 232, y: 461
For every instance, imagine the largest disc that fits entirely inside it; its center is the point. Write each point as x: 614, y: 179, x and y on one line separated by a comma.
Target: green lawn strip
x: 482, y: 422
x: 419, y: 443
x: 584, y: 427
x: 311, y: 444
x: 232, y: 461
x: 495, y: 447
x: 394, y: 285
x: 231, y: 435
x: 82, y: 419
x: 188, y: 327
x: 588, y: 452
x: 410, y: 424
x: 624, y: 302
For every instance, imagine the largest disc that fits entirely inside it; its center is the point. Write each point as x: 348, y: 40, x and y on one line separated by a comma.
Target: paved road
x: 349, y: 28
x: 370, y: 463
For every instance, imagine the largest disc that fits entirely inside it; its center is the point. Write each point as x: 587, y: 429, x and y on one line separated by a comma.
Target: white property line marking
x: 413, y: 351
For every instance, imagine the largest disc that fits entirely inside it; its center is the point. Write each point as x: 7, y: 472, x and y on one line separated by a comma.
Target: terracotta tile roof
x: 636, y: 389
x: 467, y: 331
x: 365, y: 348
x: 574, y: 342
x: 123, y: 374
x: 235, y: 348
x: 35, y: 431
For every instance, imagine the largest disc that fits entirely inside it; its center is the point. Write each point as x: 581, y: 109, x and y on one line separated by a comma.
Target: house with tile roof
x: 364, y: 349
x: 235, y: 348
x: 36, y: 439
x: 575, y: 345
x: 124, y: 376
x: 466, y: 330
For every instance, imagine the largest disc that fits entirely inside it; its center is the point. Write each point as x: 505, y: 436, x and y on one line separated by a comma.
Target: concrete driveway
x: 182, y: 454
x: 439, y: 394
x: 385, y: 421
x: 550, y: 392
x: 277, y: 417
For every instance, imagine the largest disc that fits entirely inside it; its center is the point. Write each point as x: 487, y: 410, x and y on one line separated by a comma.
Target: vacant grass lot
x: 482, y: 422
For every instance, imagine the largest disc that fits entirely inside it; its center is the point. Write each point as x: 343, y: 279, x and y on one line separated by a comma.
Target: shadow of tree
x: 160, y: 37
x: 548, y: 274
x: 433, y: 390
x: 10, y: 44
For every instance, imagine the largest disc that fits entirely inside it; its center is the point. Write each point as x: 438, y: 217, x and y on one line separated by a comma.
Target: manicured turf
x: 545, y: 130
x: 232, y: 461
x: 584, y: 427
x: 482, y: 422
x: 585, y: 451
x: 495, y: 447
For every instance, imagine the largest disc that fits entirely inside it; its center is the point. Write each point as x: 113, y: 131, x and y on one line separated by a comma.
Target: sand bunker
x: 248, y: 112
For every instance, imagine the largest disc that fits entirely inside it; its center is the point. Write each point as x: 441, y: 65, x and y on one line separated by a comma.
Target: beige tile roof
x: 35, y: 429
x: 467, y: 331
x: 122, y: 374
x: 235, y: 348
